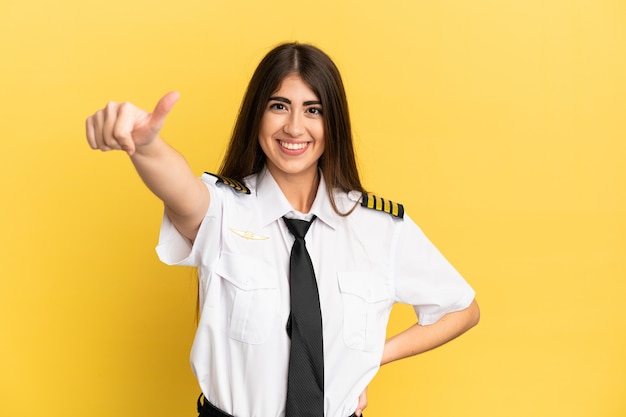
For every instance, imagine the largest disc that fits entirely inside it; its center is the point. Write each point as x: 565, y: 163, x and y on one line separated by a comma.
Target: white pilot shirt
x: 364, y: 263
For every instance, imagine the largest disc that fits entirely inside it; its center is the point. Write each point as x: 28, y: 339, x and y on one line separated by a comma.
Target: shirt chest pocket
x: 251, y: 293
x: 366, y: 307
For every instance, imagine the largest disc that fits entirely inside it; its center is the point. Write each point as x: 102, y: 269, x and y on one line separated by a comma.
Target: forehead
x: 293, y: 84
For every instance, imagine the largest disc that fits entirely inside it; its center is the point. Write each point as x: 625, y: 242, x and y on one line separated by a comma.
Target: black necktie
x: 305, y: 382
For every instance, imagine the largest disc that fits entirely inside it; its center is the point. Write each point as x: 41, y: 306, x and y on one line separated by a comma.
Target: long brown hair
x: 244, y: 155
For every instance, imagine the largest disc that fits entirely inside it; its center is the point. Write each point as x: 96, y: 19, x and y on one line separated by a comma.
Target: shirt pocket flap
x: 246, y: 273
x: 368, y: 286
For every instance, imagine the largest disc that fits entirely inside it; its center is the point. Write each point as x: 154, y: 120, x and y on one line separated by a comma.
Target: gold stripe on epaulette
x: 234, y: 184
x: 369, y: 200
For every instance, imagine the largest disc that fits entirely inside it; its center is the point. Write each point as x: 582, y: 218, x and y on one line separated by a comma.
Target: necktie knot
x: 298, y: 228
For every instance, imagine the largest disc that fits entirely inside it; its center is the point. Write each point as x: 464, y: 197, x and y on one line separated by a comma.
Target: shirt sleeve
x: 424, y: 278
x: 175, y: 249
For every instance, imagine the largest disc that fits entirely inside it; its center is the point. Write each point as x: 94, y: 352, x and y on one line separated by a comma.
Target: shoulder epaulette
x: 234, y: 184
x: 369, y: 200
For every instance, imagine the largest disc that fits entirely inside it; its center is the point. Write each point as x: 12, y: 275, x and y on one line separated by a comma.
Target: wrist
x: 147, y: 150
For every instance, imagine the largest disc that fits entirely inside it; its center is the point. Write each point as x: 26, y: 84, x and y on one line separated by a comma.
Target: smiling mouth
x: 293, y: 146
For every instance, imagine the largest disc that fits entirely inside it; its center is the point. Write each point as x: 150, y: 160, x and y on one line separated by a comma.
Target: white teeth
x: 293, y: 146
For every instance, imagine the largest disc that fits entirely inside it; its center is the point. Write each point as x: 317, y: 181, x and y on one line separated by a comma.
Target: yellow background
x: 499, y: 124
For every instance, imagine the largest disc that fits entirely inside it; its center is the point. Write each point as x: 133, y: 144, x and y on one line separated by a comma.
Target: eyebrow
x: 287, y: 101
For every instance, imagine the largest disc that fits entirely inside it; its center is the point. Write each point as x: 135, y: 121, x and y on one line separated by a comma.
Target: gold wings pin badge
x: 248, y: 235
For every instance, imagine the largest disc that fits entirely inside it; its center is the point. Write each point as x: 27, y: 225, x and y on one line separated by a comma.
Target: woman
x: 290, y: 157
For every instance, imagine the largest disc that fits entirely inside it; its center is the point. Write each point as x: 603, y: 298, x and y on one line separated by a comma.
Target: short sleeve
x: 425, y: 279
x: 175, y: 249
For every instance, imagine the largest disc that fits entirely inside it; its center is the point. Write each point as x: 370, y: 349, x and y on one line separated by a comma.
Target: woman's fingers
x: 127, y: 120
x: 109, y: 123
x: 124, y: 126
x: 90, y: 132
x: 362, y: 403
x: 162, y: 109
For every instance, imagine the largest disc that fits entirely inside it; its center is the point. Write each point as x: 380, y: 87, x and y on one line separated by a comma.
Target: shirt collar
x: 322, y: 206
x: 274, y: 205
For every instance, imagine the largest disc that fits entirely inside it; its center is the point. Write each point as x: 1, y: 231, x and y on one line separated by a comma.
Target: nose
x: 294, y: 125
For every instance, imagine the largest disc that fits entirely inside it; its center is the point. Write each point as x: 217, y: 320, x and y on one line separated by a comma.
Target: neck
x: 300, y: 190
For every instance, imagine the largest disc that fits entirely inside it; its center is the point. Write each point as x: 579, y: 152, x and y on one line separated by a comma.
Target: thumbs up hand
x: 127, y: 127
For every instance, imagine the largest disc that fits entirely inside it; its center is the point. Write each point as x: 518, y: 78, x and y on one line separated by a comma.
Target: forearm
x: 168, y: 175
x: 418, y: 339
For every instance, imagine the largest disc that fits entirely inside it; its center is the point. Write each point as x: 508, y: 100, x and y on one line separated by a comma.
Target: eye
x: 277, y: 106
x: 315, y: 111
